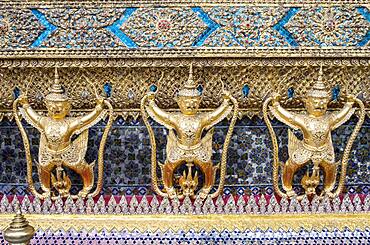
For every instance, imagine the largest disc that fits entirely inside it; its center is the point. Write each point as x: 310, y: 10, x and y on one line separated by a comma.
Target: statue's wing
x: 157, y: 119
x: 80, y: 143
x: 102, y: 115
x: 293, y: 143
x: 72, y: 154
x: 220, y: 117
x: 29, y: 120
x: 206, y: 154
x: 171, y: 141
x: 344, y: 119
x: 45, y: 155
x: 77, y: 150
x: 283, y: 120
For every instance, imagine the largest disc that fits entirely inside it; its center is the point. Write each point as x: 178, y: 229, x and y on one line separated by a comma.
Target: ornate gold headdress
x: 190, y: 88
x: 56, y: 92
x: 319, y: 89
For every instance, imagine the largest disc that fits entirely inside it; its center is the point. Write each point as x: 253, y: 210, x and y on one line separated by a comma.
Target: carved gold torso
x: 188, y: 144
x: 188, y: 128
x: 317, y: 131
x: 55, y: 143
x: 316, y: 144
x: 57, y: 133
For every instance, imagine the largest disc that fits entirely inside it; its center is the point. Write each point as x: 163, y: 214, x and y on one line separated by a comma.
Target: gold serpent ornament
x: 58, y: 149
x: 316, y: 146
x: 185, y: 143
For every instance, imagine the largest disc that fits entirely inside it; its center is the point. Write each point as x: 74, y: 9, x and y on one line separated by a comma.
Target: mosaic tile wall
x: 301, y: 236
x: 127, y: 165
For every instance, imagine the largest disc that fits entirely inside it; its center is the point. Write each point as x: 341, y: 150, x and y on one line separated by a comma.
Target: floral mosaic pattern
x: 78, y: 27
x: 246, y: 26
x: 22, y: 28
x: 163, y: 27
x: 329, y: 26
x: 179, y: 27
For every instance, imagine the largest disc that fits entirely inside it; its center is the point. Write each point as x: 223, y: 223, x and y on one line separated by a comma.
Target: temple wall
x: 252, y: 48
x: 255, y: 49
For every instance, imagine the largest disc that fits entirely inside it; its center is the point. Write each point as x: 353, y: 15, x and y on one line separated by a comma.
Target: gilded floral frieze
x: 234, y: 29
x: 163, y: 27
x: 330, y: 26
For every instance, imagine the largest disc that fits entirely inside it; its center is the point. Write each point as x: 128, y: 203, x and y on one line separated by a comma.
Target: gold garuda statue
x: 187, y: 146
x: 316, y: 149
x: 63, y: 143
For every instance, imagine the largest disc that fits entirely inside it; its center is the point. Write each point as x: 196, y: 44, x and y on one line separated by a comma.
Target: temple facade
x: 192, y: 122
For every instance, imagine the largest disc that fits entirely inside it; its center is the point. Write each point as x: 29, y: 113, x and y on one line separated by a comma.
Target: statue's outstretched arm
x: 31, y: 116
x: 160, y: 115
x: 89, y: 118
x: 291, y: 119
x: 217, y: 114
x: 344, y: 114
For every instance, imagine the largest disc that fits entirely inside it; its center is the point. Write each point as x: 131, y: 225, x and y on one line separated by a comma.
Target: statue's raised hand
x: 351, y: 98
x: 151, y: 96
x: 23, y: 100
x: 226, y: 95
x: 276, y: 97
x: 100, y: 100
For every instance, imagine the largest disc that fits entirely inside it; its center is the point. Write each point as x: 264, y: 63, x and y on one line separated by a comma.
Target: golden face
x: 316, y: 106
x: 58, y: 109
x: 188, y: 105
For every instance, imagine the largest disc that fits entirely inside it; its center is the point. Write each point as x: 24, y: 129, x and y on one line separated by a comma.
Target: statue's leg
x: 168, y: 169
x: 289, y: 169
x: 86, y: 171
x: 209, y: 177
x: 330, y: 173
x: 45, y: 177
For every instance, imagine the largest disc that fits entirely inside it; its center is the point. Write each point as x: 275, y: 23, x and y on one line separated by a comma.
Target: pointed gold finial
x: 190, y: 82
x: 190, y: 87
x: 56, y: 92
x: 19, y: 230
x: 56, y: 76
x: 320, y: 74
x: 319, y: 89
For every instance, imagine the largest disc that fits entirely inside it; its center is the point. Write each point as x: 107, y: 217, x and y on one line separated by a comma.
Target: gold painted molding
x: 163, y: 61
x: 145, y: 3
x: 190, y: 52
x: 175, y: 223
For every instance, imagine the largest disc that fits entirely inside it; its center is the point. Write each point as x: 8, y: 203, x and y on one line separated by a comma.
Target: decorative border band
x: 161, y: 29
x: 161, y: 61
x: 252, y: 52
x: 151, y: 3
x: 197, y: 223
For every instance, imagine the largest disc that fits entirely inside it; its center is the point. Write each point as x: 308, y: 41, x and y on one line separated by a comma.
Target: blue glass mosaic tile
x: 335, y: 93
x: 108, y: 89
x: 245, y: 90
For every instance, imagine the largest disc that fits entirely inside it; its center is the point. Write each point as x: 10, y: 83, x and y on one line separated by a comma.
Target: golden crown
x: 319, y: 89
x: 190, y: 87
x: 56, y: 93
